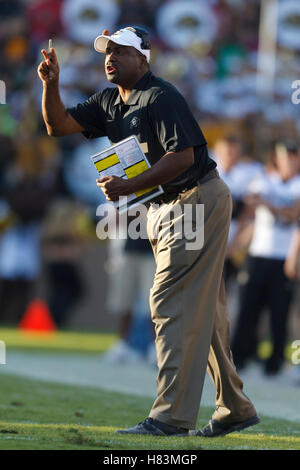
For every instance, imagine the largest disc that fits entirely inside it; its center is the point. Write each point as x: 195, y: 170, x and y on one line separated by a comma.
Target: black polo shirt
x: 157, y: 114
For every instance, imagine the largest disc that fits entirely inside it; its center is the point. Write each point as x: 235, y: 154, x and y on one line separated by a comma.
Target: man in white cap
x: 187, y: 299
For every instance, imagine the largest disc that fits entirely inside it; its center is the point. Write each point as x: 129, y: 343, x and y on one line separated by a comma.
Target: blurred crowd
x: 48, y: 197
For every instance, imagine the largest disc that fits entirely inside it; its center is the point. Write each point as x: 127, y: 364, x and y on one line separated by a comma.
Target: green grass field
x: 85, y: 343
x: 59, y: 341
x: 42, y: 415
x: 39, y: 415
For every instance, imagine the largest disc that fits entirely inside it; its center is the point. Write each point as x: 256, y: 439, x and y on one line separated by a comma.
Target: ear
x: 144, y: 61
x: 105, y: 32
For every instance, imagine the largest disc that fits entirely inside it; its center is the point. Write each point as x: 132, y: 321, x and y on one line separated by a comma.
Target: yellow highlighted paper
x: 145, y: 191
x: 107, y: 162
x: 136, y: 169
x: 126, y: 159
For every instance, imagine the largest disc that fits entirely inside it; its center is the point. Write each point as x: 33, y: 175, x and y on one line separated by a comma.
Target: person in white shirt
x: 276, y: 199
x: 238, y: 171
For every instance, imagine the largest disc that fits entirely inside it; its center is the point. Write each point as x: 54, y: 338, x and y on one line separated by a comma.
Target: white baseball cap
x: 124, y: 37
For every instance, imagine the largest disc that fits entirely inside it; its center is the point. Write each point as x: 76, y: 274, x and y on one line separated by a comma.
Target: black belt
x: 167, y: 197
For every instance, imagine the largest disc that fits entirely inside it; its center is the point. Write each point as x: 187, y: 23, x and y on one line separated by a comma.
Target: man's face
x: 122, y: 64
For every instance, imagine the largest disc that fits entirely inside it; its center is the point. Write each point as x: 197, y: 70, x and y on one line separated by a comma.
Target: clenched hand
x: 114, y: 187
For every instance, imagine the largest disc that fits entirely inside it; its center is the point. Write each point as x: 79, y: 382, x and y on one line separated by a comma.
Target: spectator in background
x: 237, y: 170
x: 276, y: 199
x: 27, y: 190
x: 44, y: 20
x: 65, y: 230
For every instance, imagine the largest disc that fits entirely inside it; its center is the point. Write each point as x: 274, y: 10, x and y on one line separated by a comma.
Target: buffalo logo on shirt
x: 134, y: 123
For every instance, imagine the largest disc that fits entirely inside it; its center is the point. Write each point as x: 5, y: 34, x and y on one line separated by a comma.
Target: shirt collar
x: 136, y: 91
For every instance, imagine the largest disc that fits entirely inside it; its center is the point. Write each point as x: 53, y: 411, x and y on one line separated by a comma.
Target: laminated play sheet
x: 126, y: 159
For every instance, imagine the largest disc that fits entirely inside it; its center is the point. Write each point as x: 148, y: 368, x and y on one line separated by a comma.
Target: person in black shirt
x: 151, y: 113
x: 187, y: 300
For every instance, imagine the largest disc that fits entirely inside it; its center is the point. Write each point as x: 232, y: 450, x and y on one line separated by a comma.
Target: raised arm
x: 58, y: 121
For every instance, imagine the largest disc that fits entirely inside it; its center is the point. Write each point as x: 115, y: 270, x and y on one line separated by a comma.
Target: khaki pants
x: 188, y: 308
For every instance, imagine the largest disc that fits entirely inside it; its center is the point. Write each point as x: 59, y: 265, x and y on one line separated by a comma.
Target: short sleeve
x: 174, y: 123
x: 90, y: 115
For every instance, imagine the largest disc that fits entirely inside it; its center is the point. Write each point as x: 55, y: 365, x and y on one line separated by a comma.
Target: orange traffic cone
x: 37, y: 317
